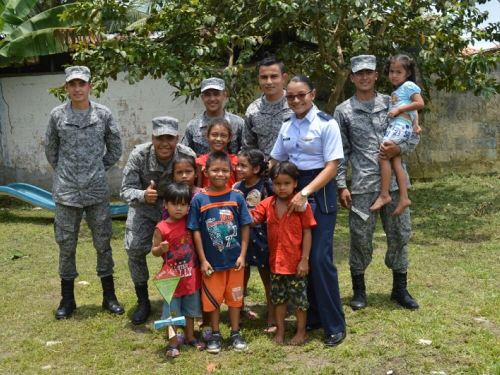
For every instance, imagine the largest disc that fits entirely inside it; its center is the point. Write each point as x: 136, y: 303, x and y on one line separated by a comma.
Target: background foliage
x: 185, y: 41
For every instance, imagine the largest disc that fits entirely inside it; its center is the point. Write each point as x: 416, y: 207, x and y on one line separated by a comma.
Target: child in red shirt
x: 289, y: 237
x: 219, y: 134
x: 174, y: 243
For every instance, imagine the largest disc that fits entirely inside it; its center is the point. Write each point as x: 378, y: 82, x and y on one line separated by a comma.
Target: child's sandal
x: 271, y: 328
x: 172, y: 352
x: 248, y: 314
x: 197, y: 344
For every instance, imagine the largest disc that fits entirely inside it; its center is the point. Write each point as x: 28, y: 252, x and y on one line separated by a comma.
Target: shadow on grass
x: 378, y: 301
x: 463, y: 212
x: 7, y: 217
x: 7, y: 206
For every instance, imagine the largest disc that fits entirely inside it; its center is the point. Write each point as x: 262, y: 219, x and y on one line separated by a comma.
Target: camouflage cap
x: 77, y: 72
x: 165, y: 125
x: 213, y: 83
x: 363, y: 62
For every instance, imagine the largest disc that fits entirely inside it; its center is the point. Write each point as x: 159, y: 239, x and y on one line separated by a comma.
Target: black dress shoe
x: 336, y: 339
x: 313, y: 327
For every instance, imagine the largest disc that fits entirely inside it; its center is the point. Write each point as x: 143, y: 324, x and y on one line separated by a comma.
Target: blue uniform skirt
x: 323, y: 289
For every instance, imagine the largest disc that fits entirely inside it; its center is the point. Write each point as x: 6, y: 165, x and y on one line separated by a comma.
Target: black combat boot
x: 68, y: 304
x: 109, y: 300
x: 400, y: 293
x: 143, y: 310
x: 358, y: 300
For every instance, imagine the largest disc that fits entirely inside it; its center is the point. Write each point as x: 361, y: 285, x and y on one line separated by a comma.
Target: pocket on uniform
x: 326, y: 198
x: 311, y: 145
x: 68, y: 138
x: 200, y: 140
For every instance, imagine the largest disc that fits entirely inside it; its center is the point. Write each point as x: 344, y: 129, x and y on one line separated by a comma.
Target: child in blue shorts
x: 173, y: 242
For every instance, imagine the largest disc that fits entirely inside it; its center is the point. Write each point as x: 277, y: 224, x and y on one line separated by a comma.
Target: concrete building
x: 461, y: 132
x: 25, y: 105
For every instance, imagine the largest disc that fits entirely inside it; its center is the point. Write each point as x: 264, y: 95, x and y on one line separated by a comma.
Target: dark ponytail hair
x: 256, y: 158
x: 300, y: 78
x: 408, y: 64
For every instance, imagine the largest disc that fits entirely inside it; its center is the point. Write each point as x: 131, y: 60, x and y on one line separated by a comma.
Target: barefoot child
x: 220, y: 220
x: 289, y: 247
x: 219, y: 134
x: 404, y: 103
x: 173, y: 242
x: 256, y: 186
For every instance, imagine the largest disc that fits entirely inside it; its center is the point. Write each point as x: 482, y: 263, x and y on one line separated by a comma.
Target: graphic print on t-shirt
x: 222, y: 232
x: 183, y: 254
x: 253, y: 197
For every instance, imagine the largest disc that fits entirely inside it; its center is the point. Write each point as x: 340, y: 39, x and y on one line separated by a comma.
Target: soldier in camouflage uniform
x: 264, y: 117
x: 147, y: 173
x: 213, y: 95
x: 82, y: 141
x: 363, y: 120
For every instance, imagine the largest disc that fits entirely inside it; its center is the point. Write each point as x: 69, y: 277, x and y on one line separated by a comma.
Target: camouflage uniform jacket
x: 263, y: 121
x: 362, y: 126
x: 143, y: 167
x: 195, y: 138
x: 80, y: 151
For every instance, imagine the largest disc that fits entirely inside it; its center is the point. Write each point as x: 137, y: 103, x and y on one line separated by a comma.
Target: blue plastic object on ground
x: 177, y: 321
x: 39, y: 197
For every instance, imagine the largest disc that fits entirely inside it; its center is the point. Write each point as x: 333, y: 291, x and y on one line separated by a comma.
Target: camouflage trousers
x: 396, y: 228
x: 138, y: 241
x: 67, y: 221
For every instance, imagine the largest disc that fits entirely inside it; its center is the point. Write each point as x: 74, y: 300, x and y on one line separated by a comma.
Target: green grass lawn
x: 454, y: 261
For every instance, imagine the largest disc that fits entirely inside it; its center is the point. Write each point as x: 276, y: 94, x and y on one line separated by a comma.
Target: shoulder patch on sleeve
x: 325, y: 116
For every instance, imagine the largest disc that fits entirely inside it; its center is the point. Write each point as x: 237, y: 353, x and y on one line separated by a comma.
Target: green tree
x: 31, y: 28
x: 186, y: 41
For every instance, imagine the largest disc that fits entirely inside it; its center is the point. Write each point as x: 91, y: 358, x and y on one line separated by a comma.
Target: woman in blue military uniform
x: 311, y: 140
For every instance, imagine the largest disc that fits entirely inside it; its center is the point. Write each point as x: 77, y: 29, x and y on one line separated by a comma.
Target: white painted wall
x: 25, y: 105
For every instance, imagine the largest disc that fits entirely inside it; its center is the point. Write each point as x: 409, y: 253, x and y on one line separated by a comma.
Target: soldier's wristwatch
x: 304, y: 193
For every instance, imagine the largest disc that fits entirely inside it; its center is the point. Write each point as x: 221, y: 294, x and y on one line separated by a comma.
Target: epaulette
x: 325, y: 116
x: 287, y: 118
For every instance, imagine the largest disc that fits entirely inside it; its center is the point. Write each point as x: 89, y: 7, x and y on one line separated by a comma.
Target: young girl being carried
x: 219, y: 134
x: 174, y: 243
x: 256, y: 186
x: 403, y: 106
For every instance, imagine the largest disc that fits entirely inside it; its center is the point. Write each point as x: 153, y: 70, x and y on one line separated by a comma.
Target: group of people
x: 234, y: 193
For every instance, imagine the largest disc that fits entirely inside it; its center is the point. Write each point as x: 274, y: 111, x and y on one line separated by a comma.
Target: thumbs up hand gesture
x: 150, y: 194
